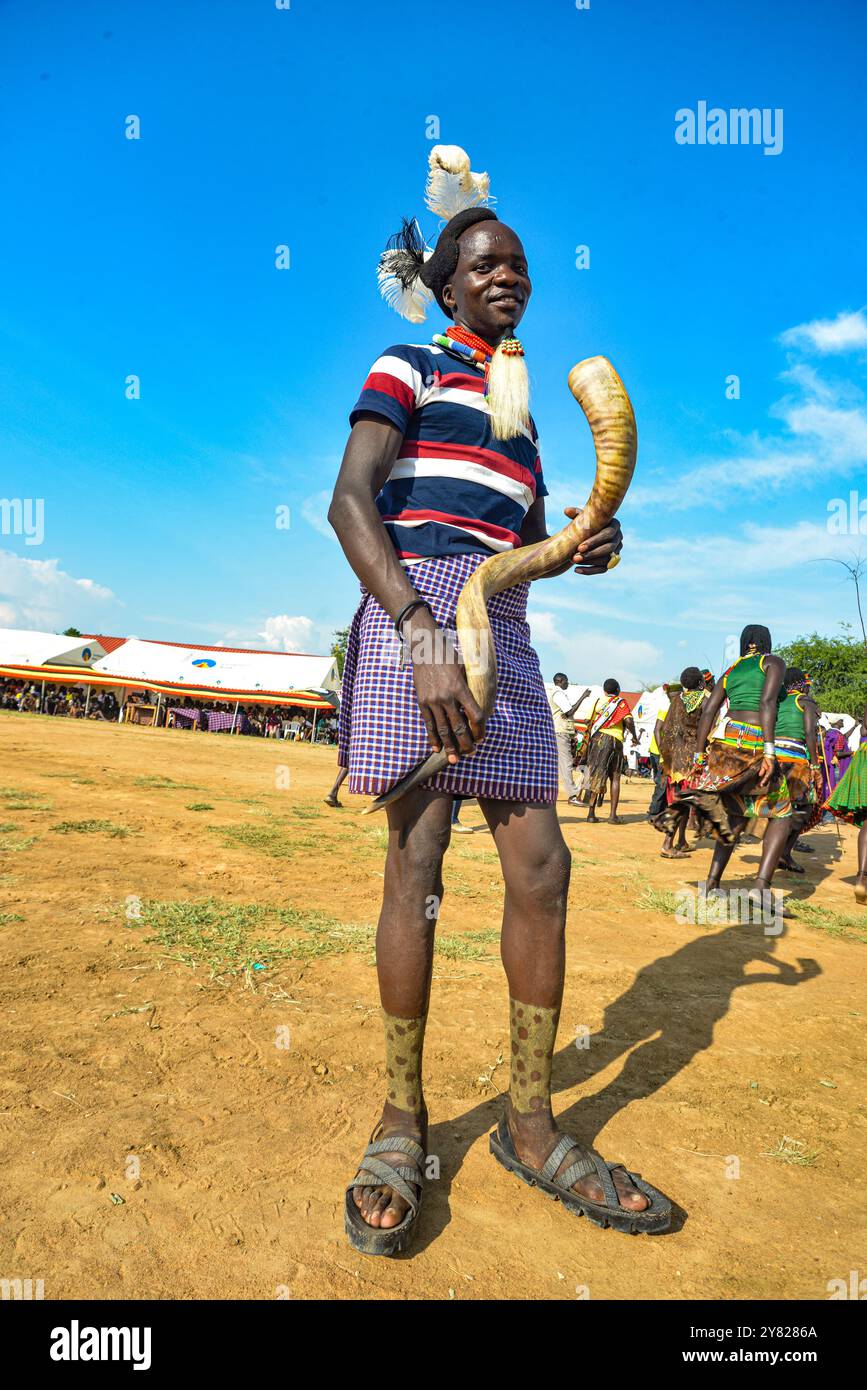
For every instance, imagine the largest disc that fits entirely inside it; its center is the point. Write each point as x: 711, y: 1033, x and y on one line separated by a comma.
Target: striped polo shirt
x: 454, y: 489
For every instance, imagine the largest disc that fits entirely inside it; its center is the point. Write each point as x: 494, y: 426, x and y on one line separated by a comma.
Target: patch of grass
x: 825, y: 919
x: 16, y: 800
x: 233, y: 939
x: 71, y: 777
x: 92, y: 827
x: 10, y: 846
x: 156, y: 783
x: 7, y: 917
x: 377, y: 837
x: 653, y: 899
x: 792, y: 1151
x: 264, y: 839
x: 7, y: 826
x: 200, y: 806
x: 468, y: 946
x: 457, y: 884
x: 240, y: 939
x: 305, y: 813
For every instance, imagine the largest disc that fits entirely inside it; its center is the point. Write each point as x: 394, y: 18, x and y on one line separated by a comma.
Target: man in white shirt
x: 563, y: 710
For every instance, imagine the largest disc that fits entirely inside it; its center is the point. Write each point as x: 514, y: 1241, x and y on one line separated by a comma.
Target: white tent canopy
x: 20, y: 647
x: 215, y: 667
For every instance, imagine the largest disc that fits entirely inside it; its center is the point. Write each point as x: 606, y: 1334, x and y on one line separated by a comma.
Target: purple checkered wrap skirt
x: 381, y: 732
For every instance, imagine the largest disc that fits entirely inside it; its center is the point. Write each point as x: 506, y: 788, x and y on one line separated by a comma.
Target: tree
x: 838, y: 666
x: 70, y: 632
x: 338, y: 648
x: 856, y: 569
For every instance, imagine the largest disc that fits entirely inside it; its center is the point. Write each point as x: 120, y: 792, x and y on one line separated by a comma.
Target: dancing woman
x: 736, y: 774
x: 848, y: 801
x: 442, y: 470
x: 605, y: 728
x: 797, y: 739
x: 676, y: 738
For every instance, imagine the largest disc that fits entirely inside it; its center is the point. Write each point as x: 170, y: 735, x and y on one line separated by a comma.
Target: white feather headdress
x: 451, y: 188
x: 451, y: 185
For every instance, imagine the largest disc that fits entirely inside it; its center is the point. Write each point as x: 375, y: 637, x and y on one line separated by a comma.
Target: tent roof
x: 111, y: 644
x: 219, y: 668
x: 23, y: 647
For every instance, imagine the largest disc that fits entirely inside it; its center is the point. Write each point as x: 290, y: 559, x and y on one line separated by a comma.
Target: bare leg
x: 418, y: 835
x: 331, y: 798
x: 536, y: 867
x: 615, y: 797
x: 773, y: 844
x: 721, y: 856
x: 861, y: 880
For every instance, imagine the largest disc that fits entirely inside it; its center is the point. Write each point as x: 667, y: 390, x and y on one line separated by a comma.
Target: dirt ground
x: 191, y: 1060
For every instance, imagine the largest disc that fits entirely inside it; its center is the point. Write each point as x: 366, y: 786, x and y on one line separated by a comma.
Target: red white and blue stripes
x: 454, y: 489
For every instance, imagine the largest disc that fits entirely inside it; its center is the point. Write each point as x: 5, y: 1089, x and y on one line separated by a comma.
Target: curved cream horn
x: 602, y: 396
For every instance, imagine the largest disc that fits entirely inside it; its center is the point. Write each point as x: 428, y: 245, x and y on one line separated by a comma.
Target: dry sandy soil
x: 178, y: 1123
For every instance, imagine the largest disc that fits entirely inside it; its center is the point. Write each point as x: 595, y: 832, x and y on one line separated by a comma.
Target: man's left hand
x: 593, y: 554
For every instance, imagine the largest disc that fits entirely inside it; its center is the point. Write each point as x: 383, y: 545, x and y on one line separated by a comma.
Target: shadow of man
x: 664, y: 1019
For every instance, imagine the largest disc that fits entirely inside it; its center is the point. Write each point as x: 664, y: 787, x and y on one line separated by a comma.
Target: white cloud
x: 592, y: 656
x: 290, y: 634
x: 845, y: 333
x: 40, y: 595
x: 314, y: 510
x: 756, y: 552
x: 824, y: 431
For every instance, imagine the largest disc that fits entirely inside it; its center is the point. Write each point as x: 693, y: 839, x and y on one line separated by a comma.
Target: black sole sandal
x: 652, y: 1221
x: 377, y: 1172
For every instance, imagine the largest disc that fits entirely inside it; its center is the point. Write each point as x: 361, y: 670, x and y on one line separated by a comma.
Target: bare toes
x: 391, y: 1217
x: 627, y: 1195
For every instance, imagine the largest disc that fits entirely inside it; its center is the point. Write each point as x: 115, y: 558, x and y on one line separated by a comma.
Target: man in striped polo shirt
x: 426, y: 492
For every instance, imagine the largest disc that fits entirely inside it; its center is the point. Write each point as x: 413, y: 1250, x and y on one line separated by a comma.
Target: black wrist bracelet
x: 409, y: 608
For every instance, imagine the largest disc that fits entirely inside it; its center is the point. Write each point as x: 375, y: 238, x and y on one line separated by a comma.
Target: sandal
x: 652, y: 1221
x: 378, y: 1172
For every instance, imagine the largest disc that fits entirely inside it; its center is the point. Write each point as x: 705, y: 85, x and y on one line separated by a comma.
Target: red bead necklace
x: 482, y: 351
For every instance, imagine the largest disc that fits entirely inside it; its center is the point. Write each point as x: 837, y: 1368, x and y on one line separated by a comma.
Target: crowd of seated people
x: 71, y: 701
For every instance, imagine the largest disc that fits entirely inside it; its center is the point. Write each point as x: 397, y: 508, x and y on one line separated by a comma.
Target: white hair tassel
x: 508, y: 390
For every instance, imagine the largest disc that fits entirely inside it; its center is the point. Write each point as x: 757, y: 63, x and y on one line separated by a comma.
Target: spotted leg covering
x: 404, y: 1042
x: 533, y: 1030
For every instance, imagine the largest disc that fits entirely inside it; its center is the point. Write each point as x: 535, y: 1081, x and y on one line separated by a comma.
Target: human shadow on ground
x: 660, y: 1023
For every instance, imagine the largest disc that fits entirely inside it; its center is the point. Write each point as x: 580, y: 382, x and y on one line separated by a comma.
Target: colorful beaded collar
x: 474, y: 348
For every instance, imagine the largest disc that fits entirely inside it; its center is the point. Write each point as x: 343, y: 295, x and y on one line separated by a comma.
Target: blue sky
x: 308, y: 127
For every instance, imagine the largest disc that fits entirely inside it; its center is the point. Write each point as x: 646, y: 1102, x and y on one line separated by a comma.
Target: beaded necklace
x: 474, y: 348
